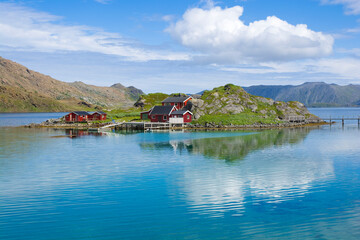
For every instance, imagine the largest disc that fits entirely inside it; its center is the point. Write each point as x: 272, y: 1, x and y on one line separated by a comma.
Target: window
x: 188, y: 117
x: 153, y: 116
x: 165, y: 117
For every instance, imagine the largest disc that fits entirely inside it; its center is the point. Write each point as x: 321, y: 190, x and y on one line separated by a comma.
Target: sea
x: 291, y: 183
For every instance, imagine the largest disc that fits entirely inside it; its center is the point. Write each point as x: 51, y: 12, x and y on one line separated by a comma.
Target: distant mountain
x: 312, y: 94
x: 24, y: 90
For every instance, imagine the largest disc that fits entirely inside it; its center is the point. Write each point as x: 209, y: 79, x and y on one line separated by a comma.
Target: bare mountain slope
x: 22, y: 89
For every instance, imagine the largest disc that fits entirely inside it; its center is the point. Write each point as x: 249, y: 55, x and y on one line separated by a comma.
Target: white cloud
x: 343, y: 68
x: 24, y: 29
x: 351, y: 52
x: 103, y: 1
x: 352, y: 6
x: 222, y: 37
x: 167, y: 18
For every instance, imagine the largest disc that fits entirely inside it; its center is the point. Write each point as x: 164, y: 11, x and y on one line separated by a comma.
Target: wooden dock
x: 342, y: 119
x: 144, y: 126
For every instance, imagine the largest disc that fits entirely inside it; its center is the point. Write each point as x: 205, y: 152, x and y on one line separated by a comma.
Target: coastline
x: 208, y: 126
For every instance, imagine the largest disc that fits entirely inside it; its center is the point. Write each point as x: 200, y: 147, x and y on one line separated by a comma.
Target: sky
x: 185, y: 45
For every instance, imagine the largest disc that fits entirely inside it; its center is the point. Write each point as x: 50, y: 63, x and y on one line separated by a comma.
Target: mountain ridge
x: 25, y: 90
x: 312, y: 94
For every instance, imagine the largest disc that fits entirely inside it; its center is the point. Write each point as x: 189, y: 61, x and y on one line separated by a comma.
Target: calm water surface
x: 275, y: 184
x: 17, y: 119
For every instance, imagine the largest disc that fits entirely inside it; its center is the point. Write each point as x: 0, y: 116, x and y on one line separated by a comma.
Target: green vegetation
x: 152, y: 99
x: 237, y: 119
x: 132, y: 114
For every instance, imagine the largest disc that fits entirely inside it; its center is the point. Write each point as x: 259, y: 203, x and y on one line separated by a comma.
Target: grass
x: 132, y: 114
x: 237, y: 119
x: 153, y: 99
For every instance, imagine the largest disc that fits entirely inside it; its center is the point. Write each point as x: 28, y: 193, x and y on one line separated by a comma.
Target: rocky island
x: 228, y: 106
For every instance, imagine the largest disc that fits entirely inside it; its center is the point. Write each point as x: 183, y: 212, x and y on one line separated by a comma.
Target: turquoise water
x: 276, y: 184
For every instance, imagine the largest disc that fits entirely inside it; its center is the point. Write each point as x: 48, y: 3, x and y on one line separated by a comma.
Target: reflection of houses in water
x: 74, y: 133
x: 177, y: 145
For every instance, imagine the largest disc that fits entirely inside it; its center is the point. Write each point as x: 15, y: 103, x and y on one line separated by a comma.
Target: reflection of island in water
x: 233, y: 148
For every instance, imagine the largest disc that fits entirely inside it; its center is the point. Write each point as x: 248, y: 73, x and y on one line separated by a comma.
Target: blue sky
x: 185, y: 46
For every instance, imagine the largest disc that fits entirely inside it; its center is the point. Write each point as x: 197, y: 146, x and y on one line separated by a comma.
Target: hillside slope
x: 23, y: 90
x: 315, y: 94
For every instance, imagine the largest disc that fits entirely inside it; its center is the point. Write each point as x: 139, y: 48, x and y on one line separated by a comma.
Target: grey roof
x: 81, y: 113
x: 101, y: 112
x: 175, y: 99
x: 181, y: 112
x: 161, y: 110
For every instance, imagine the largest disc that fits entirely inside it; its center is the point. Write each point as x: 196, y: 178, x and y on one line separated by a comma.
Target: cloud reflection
x: 280, y: 173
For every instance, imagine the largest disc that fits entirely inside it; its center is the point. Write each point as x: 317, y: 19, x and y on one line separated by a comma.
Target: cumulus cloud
x: 221, y: 36
x: 25, y: 29
x: 352, y: 6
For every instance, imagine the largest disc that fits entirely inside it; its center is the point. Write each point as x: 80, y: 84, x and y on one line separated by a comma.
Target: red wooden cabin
x: 82, y: 116
x: 97, y: 116
x: 161, y: 113
x: 77, y: 116
x: 145, y: 115
x: 186, y: 115
x: 178, y: 102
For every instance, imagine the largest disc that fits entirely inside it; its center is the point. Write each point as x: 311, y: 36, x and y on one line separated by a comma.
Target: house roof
x: 162, y: 110
x: 81, y: 113
x: 148, y: 111
x: 181, y: 112
x: 175, y: 99
x: 101, y: 112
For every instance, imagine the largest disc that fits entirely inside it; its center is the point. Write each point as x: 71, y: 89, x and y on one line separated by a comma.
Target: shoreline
x: 89, y: 126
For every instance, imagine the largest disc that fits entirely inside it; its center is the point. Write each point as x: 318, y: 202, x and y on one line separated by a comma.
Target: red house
x: 82, y: 116
x: 169, y: 110
x: 145, y: 115
x: 77, y: 116
x: 161, y: 113
x: 97, y: 116
x: 186, y: 115
x: 178, y: 102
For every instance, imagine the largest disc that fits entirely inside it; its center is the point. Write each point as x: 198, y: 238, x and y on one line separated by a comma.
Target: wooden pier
x: 342, y: 119
x: 144, y: 126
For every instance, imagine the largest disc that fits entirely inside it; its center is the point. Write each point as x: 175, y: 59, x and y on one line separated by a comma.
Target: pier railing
x: 342, y: 119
